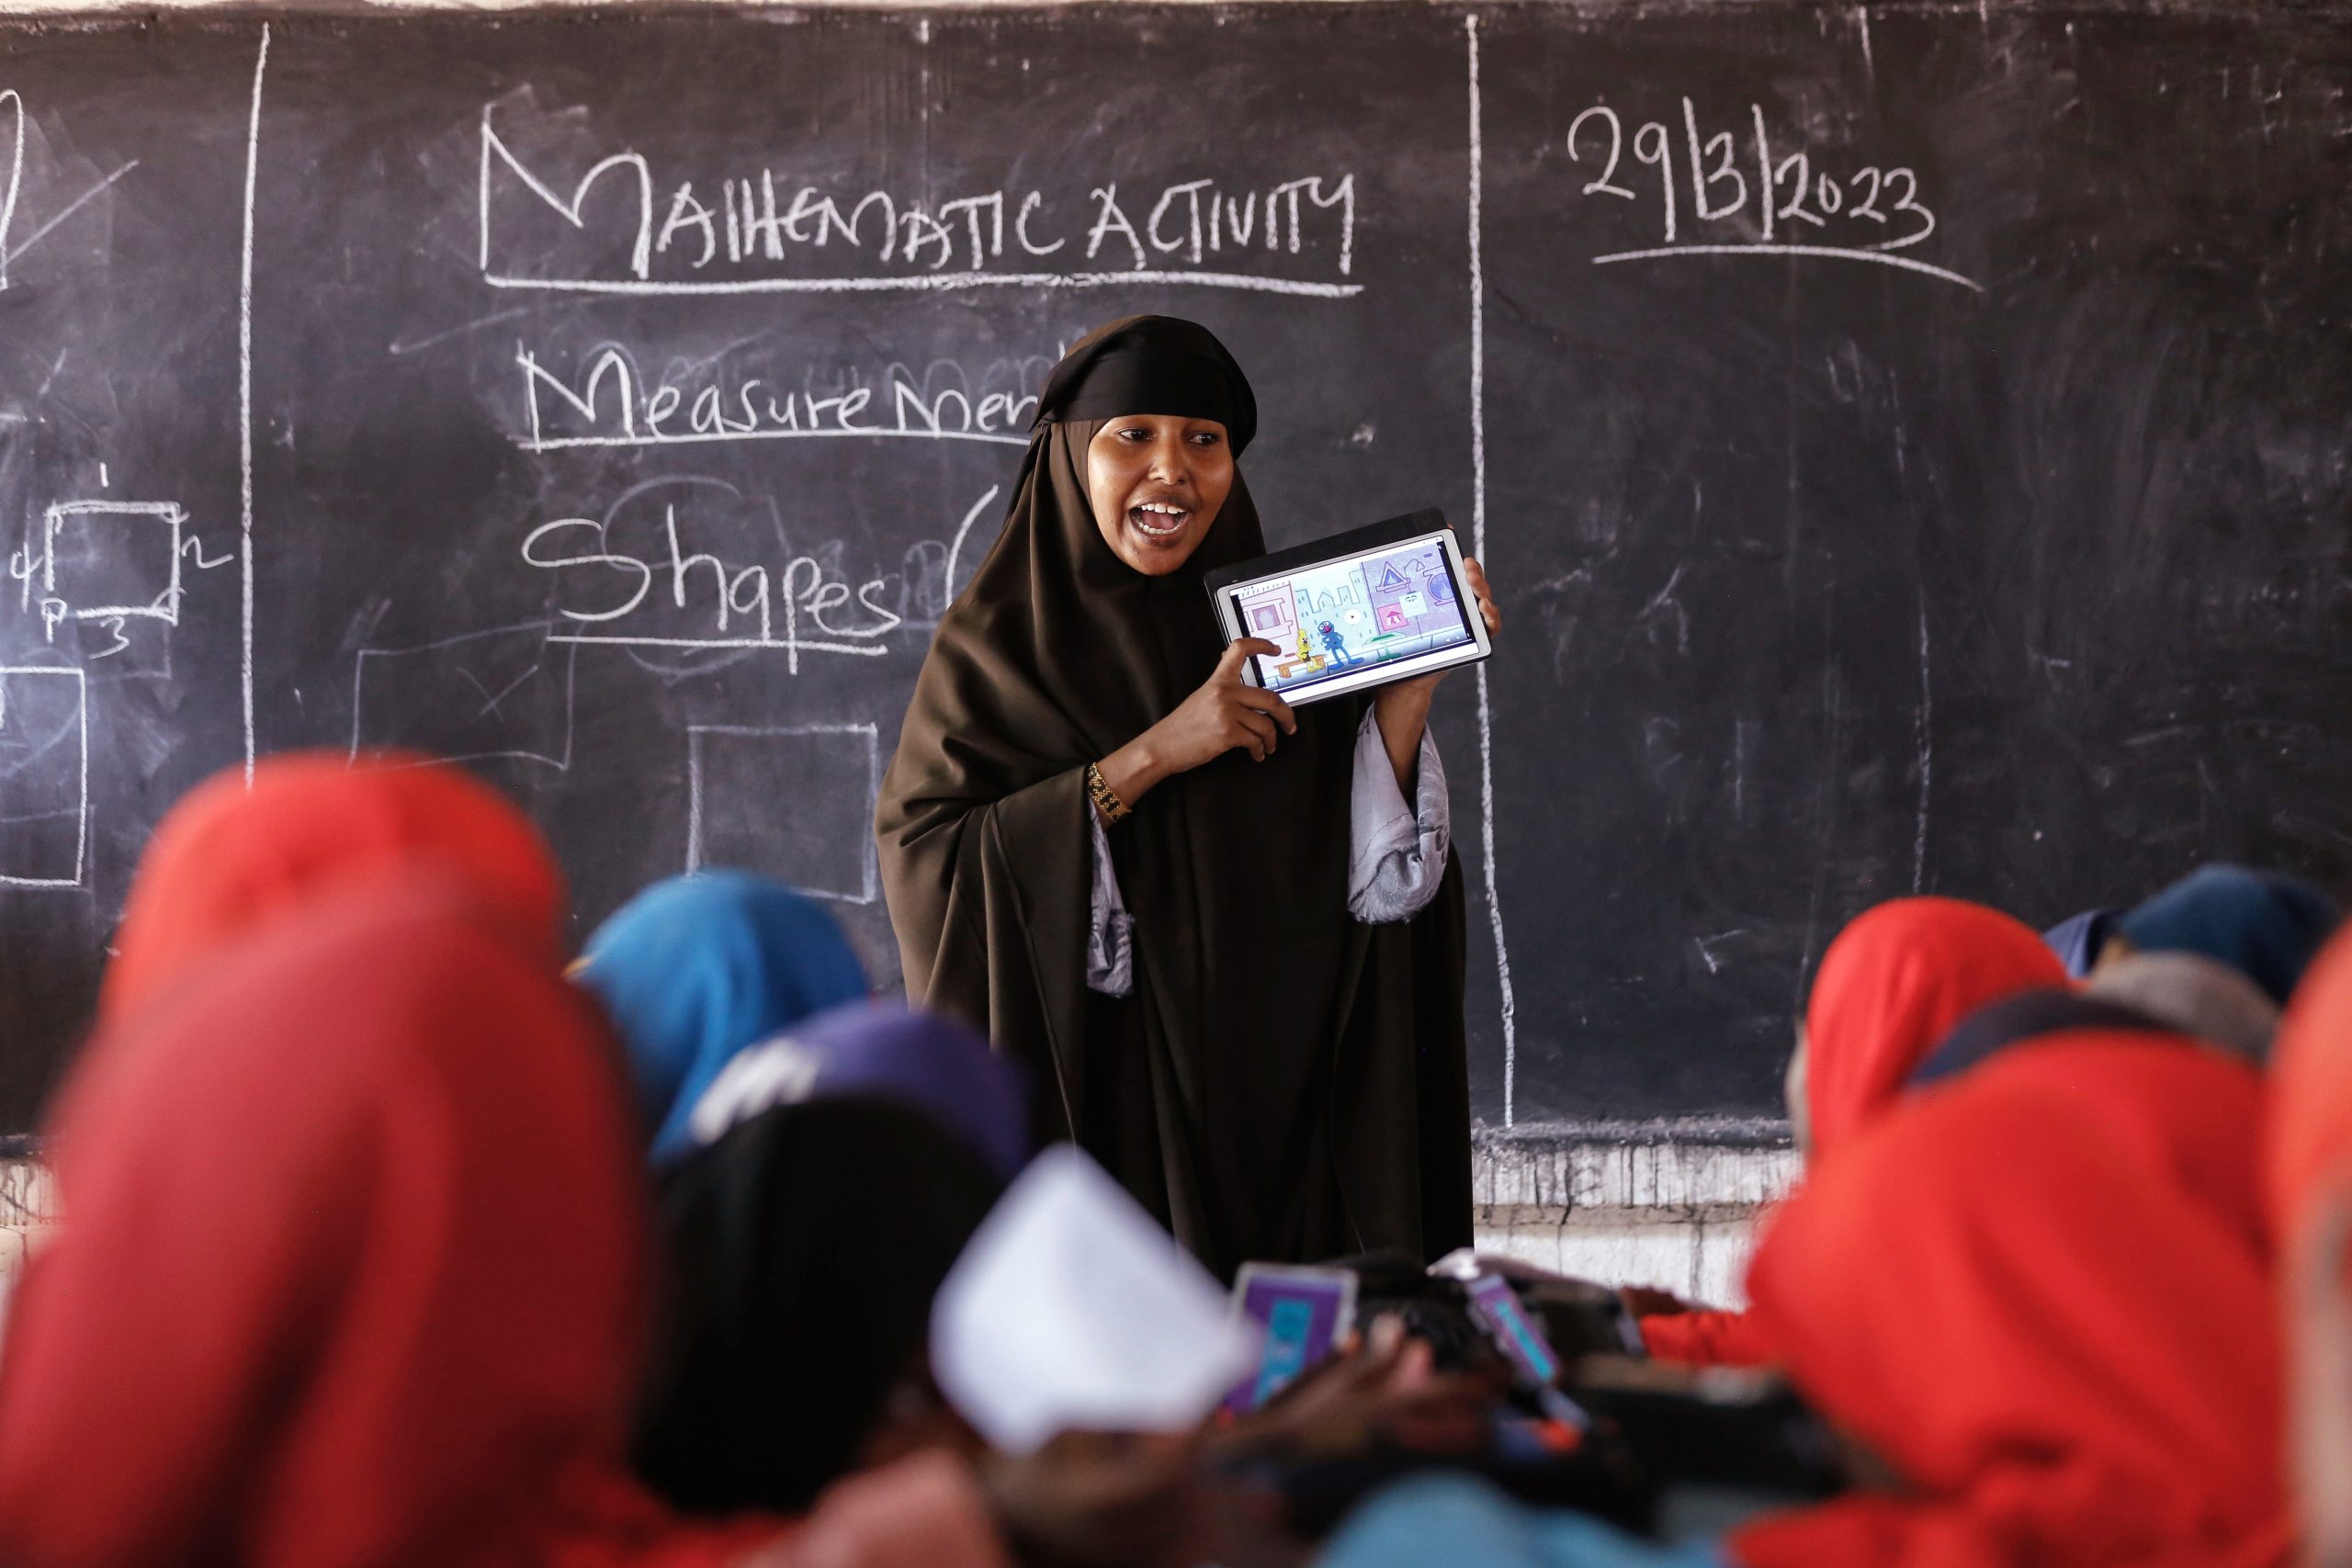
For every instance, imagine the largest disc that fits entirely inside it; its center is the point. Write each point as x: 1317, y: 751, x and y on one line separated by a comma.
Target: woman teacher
x: 1227, y: 936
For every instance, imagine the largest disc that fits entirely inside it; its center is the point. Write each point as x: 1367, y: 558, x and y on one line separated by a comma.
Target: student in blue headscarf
x: 695, y: 969
x: 2265, y: 925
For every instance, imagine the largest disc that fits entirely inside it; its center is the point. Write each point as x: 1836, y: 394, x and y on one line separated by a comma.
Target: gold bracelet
x: 1105, y: 798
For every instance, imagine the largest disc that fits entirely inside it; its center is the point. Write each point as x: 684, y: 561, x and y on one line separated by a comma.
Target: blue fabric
x: 935, y: 1065
x: 1435, y: 1519
x: 695, y: 969
x: 2079, y: 939
x: 2265, y: 925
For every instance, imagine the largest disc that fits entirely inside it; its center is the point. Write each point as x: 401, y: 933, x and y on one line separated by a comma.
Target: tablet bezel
x: 1225, y: 585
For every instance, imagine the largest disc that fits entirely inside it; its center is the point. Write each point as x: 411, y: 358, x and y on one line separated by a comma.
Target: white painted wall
x: 1632, y: 1205
x: 1618, y: 1209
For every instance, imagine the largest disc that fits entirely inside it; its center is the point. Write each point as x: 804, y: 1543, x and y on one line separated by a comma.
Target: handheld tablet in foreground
x: 1358, y: 609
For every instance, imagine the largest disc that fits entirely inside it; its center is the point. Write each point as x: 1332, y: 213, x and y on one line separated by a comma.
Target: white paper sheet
x: 1072, y: 1310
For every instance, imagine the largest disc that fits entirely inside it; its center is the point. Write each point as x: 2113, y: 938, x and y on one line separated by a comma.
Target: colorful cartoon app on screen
x: 1360, y: 609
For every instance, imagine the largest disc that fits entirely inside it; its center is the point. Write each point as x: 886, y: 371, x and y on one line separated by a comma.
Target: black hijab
x: 805, y: 1247
x: 1209, y: 1092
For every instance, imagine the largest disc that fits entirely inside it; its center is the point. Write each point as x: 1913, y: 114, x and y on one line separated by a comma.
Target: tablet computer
x: 1358, y: 609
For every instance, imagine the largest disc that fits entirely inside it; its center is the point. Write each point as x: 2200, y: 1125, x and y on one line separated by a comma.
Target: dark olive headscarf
x: 1239, y: 1091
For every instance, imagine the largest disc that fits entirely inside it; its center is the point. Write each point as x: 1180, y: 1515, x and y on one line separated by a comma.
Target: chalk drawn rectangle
x: 794, y: 801
x: 502, y: 693
x: 106, y: 559
x: 44, y: 776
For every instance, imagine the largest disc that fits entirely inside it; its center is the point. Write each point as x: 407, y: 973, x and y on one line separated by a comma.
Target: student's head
x: 2306, y: 1160
x: 1165, y: 412
x: 2264, y: 924
x: 806, y: 1247
x: 2027, y: 1294
x: 695, y: 968
x: 231, y: 859
x: 929, y: 1062
x: 356, y: 1261
x: 1890, y: 988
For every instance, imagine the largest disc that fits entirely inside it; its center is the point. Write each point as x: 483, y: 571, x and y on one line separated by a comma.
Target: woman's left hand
x: 1420, y: 686
x: 1403, y: 706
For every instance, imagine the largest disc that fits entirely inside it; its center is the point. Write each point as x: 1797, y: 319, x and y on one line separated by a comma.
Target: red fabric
x: 349, y: 1271
x: 229, y: 860
x: 2308, y: 1147
x: 1707, y: 1338
x: 2033, y: 1292
x: 1891, y: 985
x: 1889, y: 989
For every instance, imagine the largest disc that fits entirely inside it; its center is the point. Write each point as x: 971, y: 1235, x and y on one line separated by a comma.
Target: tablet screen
x: 1341, y: 617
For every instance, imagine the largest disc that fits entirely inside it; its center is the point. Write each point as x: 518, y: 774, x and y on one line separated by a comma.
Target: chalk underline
x: 1839, y: 253
x: 796, y: 645
x: 939, y: 280
x: 557, y: 443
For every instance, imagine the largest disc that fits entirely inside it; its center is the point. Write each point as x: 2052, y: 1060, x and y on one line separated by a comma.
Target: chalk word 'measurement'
x: 1717, y: 190
x: 751, y: 231
x: 610, y: 401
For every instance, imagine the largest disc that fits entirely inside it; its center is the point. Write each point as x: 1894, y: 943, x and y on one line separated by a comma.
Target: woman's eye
x: 1205, y: 438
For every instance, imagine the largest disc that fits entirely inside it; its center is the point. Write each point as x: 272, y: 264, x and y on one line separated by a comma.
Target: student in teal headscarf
x: 697, y: 968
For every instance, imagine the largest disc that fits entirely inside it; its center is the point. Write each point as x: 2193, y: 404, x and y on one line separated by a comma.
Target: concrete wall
x: 1671, y: 1206
x: 1629, y: 1206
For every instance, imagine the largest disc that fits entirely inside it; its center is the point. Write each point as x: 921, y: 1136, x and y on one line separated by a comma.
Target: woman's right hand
x: 1227, y: 712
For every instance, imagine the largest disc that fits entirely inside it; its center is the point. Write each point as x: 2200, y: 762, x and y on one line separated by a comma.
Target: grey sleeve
x: 1396, y: 854
x: 1109, y: 930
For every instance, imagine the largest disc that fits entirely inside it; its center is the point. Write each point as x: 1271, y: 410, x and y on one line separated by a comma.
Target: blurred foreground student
x: 233, y: 859
x: 806, y: 1234
x: 931, y: 1065
x: 695, y: 968
x: 2308, y: 1190
x: 1892, y: 985
x: 351, y: 1276
x: 2037, y: 1298
x: 2266, y: 925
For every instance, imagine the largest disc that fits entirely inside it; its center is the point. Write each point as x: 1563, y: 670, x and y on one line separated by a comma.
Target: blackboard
x: 614, y: 402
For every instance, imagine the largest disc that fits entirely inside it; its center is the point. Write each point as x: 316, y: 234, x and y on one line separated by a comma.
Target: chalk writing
x: 13, y: 104
x: 617, y: 586
x: 611, y: 402
x: 121, y: 560
x: 731, y: 234
x: 1721, y: 190
x: 44, y: 776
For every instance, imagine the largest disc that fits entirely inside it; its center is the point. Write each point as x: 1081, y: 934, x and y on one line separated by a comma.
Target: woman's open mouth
x: 1158, y: 519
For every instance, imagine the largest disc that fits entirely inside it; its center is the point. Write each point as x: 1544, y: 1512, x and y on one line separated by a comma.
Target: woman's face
x: 1157, y: 483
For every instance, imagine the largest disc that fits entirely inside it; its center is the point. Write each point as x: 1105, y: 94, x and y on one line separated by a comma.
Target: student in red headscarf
x: 2035, y: 1296
x: 1891, y: 985
x: 2306, y: 1160
x: 233, y: 858
x: 351, y: 1274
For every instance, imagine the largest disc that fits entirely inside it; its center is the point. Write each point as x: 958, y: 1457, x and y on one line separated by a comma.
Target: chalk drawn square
x: 482, y: 696
x: 44, y: 776
x: 110, y: 560
x: 794, y: 801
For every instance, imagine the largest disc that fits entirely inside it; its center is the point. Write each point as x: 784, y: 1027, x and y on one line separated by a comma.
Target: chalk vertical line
x: 245, y: 399
x: 1478, y: 547
x: 694, y: 800
x: 81, y: 822
x: 1927, y: 752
